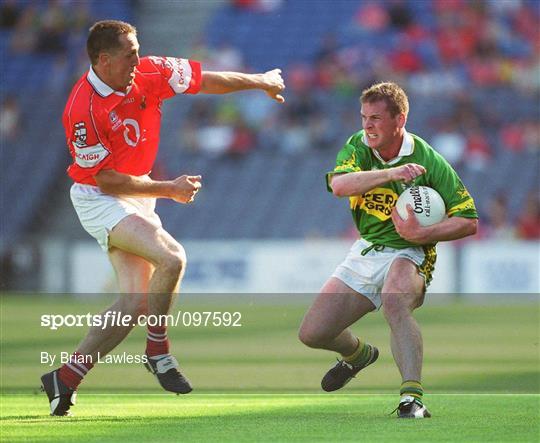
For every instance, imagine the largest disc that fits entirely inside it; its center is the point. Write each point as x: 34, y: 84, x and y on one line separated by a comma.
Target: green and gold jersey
x: 372, y: 211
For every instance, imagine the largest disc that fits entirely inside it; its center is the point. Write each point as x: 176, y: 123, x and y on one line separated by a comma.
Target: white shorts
x: 366, y: 274
x: 99, y: 213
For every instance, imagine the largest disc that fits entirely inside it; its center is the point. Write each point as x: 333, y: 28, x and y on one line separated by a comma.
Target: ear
x: 402, y: 119
x: 104, y: 59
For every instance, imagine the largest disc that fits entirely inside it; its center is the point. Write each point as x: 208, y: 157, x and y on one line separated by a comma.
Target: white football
x: 426, y: 202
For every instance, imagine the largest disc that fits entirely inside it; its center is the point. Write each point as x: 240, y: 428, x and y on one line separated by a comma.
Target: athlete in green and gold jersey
x: 391, y: 264
x: 372, y: 210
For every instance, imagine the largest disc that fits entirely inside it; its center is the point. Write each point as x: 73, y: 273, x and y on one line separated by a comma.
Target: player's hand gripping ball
x: 426, y: 203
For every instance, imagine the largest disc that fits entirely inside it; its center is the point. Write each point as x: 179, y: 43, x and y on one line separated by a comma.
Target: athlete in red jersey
x: 112, y: 122
x: 108, y: 129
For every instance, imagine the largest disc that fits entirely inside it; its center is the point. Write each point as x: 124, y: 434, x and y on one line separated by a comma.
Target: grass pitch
x: 273, y: 417
x: 257, y: 383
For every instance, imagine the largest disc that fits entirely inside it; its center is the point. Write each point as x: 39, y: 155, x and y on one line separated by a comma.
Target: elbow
x: 107, y: 181
x: 205, y: 88
x: 211, y: 83
x: 106, y: 188
x: 338, y: 188
x: 472, y: 226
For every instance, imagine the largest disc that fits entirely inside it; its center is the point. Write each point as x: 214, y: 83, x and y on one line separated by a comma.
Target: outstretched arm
x: 225, y: 82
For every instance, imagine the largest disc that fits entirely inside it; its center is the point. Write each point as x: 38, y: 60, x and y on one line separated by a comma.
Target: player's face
x: 383, y: 132
x: 123, y: 63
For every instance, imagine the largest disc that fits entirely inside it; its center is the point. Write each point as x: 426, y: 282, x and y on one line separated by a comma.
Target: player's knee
x: 394, y: 306
x: 307, y: 338
x: 311, y: 337
x: 174, y: 261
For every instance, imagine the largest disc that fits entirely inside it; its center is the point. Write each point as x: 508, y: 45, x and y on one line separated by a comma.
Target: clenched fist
x: 185, y: 187
x: 274, y: 85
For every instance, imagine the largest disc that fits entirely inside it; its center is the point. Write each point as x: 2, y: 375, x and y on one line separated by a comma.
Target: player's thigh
x: 336, y: 308
x: 139, y: 236
x: 404, y: 284
x: 132, y: 272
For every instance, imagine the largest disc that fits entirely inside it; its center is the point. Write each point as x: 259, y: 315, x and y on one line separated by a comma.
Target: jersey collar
x: 103, y: 89
x: 407, y: 148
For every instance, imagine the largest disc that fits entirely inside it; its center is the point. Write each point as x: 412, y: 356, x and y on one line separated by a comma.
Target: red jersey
x: 107, y: 129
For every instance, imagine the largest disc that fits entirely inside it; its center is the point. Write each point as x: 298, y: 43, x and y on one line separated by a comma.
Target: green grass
x: 274, y: 417
x: 257, y: 382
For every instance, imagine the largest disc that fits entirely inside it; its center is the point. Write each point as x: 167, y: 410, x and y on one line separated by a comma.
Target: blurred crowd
x: 51, y: 27
x: 497, y: 224
x: 468, y: 46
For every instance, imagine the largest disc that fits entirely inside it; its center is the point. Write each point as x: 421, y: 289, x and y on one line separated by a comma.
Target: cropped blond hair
x: 392, y: 94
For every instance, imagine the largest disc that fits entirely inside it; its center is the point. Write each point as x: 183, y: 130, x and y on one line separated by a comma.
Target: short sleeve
x: 176, y: 75
x: 348, y: 160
